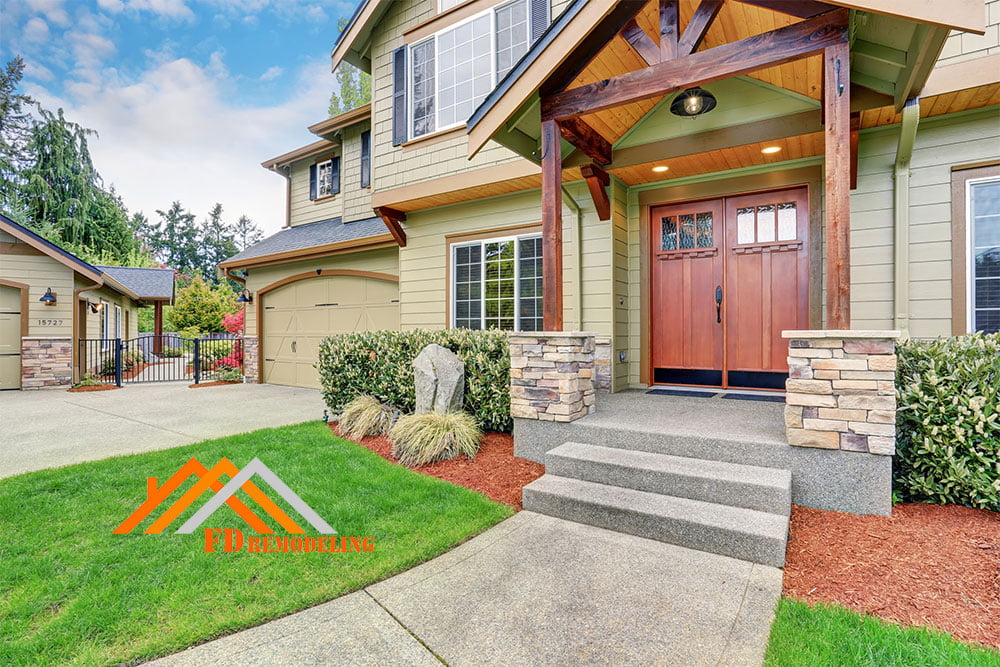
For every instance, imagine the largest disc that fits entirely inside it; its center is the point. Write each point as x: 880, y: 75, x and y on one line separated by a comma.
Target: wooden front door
x: 727, y: 277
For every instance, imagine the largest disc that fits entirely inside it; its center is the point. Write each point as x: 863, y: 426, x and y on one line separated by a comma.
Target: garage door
x: 299, y: 315
x: 10, y: 337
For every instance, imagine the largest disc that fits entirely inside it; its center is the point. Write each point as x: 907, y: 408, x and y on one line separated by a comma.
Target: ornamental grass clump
x: 434, y: 436
x: 365, y: 415
x: 948, y: 421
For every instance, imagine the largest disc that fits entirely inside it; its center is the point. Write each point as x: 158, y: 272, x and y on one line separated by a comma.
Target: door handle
x: 718, y: 304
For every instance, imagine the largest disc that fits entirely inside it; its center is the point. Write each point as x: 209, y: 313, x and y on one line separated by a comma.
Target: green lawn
x: 827, y: 635
x: 73, y: 592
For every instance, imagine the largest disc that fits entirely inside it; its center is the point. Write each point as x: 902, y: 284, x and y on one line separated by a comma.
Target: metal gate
x: 165, y: 358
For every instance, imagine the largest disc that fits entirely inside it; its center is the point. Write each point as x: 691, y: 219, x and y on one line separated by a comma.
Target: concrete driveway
x: 47, y: 429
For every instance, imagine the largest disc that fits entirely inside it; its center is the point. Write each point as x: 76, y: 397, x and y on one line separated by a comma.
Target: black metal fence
x: 164, y: 358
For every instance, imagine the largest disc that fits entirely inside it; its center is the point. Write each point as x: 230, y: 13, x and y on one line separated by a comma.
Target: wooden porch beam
x: 640, y: 42
x: 586, y: 138
x: 698, y: 27
x: 158, y: 328
x: 552, y: 273
x: 598, y: 38
x: 392, y: 219
x: 669, y: 29
x: 722, y: 62
x: 837, y: 196
x: 597, y: 182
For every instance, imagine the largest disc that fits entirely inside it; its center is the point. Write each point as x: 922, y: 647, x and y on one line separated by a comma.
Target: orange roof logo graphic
x: 224, y: 494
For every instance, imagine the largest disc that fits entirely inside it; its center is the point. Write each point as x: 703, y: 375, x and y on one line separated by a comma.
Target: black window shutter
x: 334, y: 175
x: 539, y: 18
x: 312, y: 182
x: 399, y: 96
x: 366, y: 158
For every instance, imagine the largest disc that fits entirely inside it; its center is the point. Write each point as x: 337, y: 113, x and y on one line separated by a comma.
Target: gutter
x: 578, y: 231
x: 901, y: 215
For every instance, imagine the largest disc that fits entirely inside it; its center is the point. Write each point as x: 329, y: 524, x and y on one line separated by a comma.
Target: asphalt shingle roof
x: 312, y: 235
x: 146, y: 283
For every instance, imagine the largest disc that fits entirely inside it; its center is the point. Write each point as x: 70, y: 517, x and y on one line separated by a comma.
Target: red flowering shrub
x: 233, y: 323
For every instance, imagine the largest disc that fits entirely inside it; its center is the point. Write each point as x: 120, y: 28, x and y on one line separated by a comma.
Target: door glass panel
x: 669, y: 229
x: 765, y: 223
x: 687, y: 231
x: 745, y: 225
x: 705, y: 230
x: 786, y: 221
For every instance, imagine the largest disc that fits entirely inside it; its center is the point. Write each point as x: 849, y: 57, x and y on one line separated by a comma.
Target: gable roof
x: 49, y: 248
x: 147, y: 284
x: 314, y: 238
x: 583, y: 18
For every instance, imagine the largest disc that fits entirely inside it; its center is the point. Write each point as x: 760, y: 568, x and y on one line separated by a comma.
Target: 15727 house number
x: 50, y: 323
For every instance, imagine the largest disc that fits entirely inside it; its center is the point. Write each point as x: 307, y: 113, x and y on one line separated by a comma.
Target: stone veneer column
x: 552, y: 375
x: 250, y: 360
x: 46, y: 363
x: 841, y: 390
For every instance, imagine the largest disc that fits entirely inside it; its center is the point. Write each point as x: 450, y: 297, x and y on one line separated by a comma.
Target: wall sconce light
x: 49, y: 299
x: 245, y: 297
x: 95, y: 307
x: 692, y: 102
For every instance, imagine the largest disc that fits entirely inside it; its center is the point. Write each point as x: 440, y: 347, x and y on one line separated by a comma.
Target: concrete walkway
x: 51, y: 428
x: 532, y: 590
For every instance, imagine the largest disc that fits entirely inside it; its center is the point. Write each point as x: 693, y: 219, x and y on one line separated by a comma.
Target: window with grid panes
x: 497, y: 283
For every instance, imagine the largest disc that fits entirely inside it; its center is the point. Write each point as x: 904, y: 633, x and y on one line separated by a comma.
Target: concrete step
x: 532, y: 439
x: 738, y: 532
x: 751, y: 487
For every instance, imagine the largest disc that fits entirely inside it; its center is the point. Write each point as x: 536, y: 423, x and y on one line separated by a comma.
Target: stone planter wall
x: 46, y: 363
x: 841, y: 390
x: 602, y: 365
x: 552, y: 375
x: 250, y: 360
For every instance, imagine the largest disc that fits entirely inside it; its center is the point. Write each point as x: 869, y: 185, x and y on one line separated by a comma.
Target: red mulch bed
x: 134, y: 371
x: 93, y: 387
x: 495, y: 472
x: 931, y: 565
x: 213, y: 383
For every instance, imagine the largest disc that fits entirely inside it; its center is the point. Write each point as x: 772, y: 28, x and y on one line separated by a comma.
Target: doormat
x: 682, y: 392
x: 769, y: 398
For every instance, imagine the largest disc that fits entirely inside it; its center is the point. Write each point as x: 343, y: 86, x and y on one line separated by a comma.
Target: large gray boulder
x: 440, y: 380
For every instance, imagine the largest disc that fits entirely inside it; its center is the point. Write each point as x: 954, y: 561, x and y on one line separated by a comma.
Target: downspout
x: 901, y: 215
x: 578, y: 231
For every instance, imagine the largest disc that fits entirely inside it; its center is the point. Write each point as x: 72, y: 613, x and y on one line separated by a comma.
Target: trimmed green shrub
x: 172, y: 352
x: 365, y: 415
x: 433, y: 436
x: 947, y: 424
x: 380, y: 364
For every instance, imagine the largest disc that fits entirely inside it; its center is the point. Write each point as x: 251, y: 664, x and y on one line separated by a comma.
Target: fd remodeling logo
x: 232, y: 539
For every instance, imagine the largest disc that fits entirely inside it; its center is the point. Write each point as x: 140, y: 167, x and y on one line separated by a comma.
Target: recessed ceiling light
x: 661, y: 168
x: 769, y: 150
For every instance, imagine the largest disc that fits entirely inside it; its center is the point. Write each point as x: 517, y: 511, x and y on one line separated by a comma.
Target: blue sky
x: 188, y: 96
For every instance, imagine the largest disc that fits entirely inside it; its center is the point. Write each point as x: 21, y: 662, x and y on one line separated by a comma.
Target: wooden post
x: 158, y: 328
x: 552, y: 273
x: 837, y: 136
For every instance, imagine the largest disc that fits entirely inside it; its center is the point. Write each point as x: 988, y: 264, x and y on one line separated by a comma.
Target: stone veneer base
x: 250, y: 360
x: 46, y: 363
x: 835, y: 480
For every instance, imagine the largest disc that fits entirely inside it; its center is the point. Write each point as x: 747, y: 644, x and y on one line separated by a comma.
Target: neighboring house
x: 50, y: 299
x: 535, y: 165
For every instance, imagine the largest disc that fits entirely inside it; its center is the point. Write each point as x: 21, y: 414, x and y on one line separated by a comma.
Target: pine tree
x: 246, y: 233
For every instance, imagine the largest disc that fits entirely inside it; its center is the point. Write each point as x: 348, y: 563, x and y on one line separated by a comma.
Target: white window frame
x: 482, y: 277
x: 328, y: 163
x: 970, y: 252
x: 492, y: 12
x: 445, y: 5
x: 105, y: 325
x: 118, y: 321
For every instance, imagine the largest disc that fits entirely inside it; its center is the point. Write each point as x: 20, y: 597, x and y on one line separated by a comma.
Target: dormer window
x: 452, y: 71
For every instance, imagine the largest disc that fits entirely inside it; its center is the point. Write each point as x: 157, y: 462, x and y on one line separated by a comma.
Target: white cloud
x: 51, y: 10
x: 272, y: 73
x: 175, y: 9
x: 36, y: 31
x: 37, y: 71
x: 90, y: 49
x: 174, y: 134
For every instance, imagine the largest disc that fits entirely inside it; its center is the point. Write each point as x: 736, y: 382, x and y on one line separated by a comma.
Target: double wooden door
x: 727, y: 277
